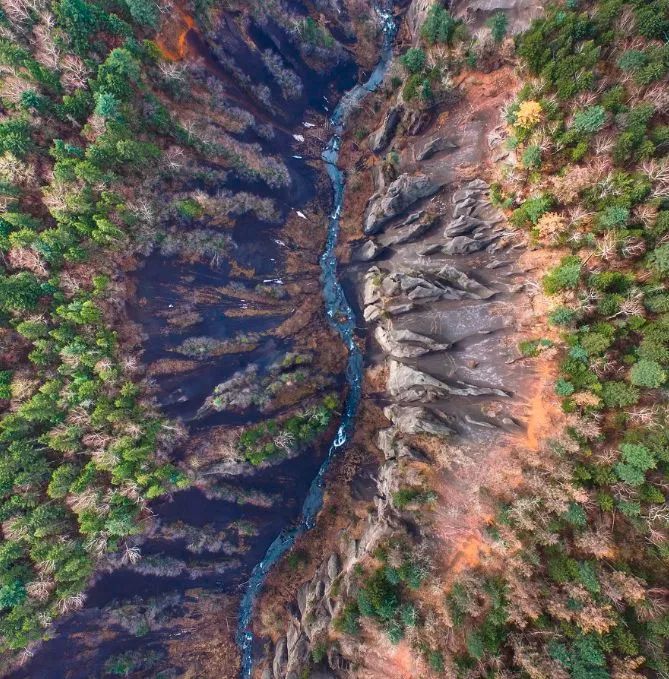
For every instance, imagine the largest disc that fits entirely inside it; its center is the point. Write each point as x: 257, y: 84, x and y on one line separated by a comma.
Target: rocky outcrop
x: 380, y: 139
x: 413, y: 228
x: 404, y: 192
x: 418, y: 420
x: 319, y: 600
x: 404, y: 343
x: 410, y: 385
x: 367, y: 252
x: 434, y: 146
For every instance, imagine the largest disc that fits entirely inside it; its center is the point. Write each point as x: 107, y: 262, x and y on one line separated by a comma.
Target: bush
x: 614, y: 217
x: 562, y: 316
x: 531, y: 211
x: 439, y: 26
x: 659, y: 259
x: 531, y: 158
x: 144, y: 12
x: 563, y: 388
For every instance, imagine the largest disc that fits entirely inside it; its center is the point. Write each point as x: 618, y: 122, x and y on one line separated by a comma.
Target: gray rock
x: 467, y: 193
x: 380, y: 139
x: 372, y: 313
x: 433, y: 146
x: 411, y: 232
x: 464, y: 282
x: 298, y: 658
x: 399, y: 308
x: 413, y: 217
x: 333, y: 566
x: 415, y: 121
x: 462, y: 245
x: 390, y: 286
x: 385, y: 440
x: 371, y: 292
x: 400, y: 195
x: 302, y: 594
x: 430, y: 250
x: 411, y: 385
x: 292, y: 635
x: 417, y: 420
x: 462, y: 226
x: 405, y: 343
x: 367, y: 252
x: 465, y: 208
x: 280, y: 659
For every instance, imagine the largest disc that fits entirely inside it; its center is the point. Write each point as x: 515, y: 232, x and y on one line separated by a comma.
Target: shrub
x: 563, y: 388
x: 414, y: 60
x: 562, y: 316
x: 652, y: 20
x: 659, y: 259
x: 614, y: 217
x: 647, y: 374
x: 144, y: 12
x: 528, y: 114
x: 565, y: 276
x: 531, y: 211
x: 531, y: 158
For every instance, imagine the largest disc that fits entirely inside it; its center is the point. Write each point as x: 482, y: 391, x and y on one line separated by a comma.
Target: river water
x: 343, y: 320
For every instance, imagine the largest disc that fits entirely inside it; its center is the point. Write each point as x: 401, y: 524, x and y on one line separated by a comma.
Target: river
x: 343, y: 320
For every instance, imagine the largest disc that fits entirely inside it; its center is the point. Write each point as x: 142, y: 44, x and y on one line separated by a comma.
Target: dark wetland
x: 212, y: 535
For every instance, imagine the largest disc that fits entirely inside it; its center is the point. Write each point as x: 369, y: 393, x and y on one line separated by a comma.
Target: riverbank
x: 447, y: 398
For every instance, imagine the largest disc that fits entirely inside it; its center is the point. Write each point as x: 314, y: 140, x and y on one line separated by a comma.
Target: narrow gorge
x: 335, y: 339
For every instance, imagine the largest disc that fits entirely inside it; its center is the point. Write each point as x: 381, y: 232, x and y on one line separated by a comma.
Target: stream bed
x: 343, y: 320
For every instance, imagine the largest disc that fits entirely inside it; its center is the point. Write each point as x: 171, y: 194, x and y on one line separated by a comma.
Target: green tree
x: 498, y: 24
x: 590, y: 120
x: 439, y: 26
x: 648, y: 374
x: 414, y: 60
x: 144, y: 12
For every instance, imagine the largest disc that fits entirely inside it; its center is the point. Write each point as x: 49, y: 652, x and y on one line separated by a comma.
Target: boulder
x: 398, y: 197
x: 367, y: 252
x: 410, y: 385
x: 411, y: 232
x: 380, y: 139
x: 399, y: 308
x: 462, y: 226
x: 416, y: 121
x: 371, y: 292
x: 333, y: 567
x: 280, y: 659
x: 456, y: 277
x: 433, y: 146
x: 463, y: 245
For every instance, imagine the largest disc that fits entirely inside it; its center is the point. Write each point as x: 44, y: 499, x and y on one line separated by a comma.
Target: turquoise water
x: 343, y: 320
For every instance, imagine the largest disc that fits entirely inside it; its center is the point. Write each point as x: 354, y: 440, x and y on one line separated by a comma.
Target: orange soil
x: 542, y: 415
x: 172, y: 38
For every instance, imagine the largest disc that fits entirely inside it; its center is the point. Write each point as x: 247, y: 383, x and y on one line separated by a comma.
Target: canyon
x: 369, y: 412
